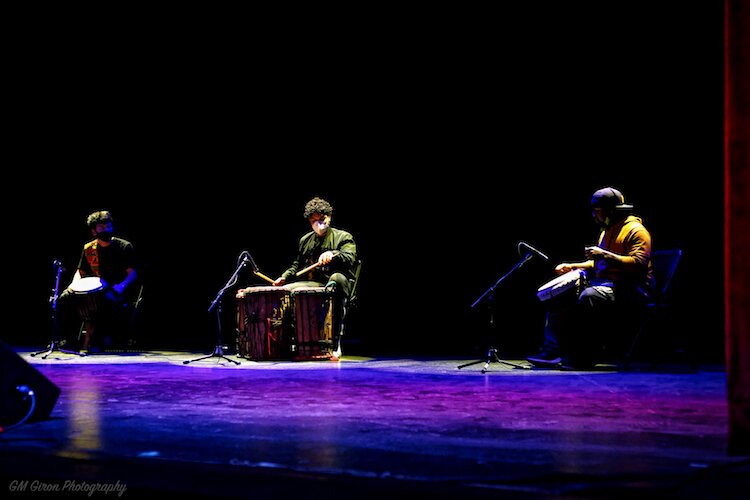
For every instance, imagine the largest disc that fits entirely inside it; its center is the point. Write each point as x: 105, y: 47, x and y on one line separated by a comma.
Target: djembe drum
x: 263, y: 326
x: 89, y: 294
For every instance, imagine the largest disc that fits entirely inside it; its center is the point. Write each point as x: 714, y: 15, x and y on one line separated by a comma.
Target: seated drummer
x: 330, y: 253
x: 620, y: 274
x: 113, y: 260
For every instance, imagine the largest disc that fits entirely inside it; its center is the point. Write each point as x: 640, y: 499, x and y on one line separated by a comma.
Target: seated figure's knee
x: 340, y: 284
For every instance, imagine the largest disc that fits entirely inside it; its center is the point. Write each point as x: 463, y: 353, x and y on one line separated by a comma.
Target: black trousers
x: 602, y: 314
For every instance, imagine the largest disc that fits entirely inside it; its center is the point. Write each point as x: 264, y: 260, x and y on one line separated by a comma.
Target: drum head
x: 89, y: 284
x: 561, y: 284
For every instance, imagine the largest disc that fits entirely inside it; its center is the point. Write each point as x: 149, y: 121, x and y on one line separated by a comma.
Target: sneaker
x: 336, y: 355
x: 545, y: 359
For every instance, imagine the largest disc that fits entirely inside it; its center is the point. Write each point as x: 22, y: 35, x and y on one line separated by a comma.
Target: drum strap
x: 91, y: 251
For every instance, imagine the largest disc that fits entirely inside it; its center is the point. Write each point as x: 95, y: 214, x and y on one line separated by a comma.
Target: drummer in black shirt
x: 112, y: 260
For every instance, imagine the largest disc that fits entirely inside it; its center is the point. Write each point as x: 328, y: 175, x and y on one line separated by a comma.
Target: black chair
x: 350, y: 305
x: 353, y: 297
x: 665, y: 263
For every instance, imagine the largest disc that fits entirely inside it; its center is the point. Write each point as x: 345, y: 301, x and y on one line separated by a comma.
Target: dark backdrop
x: 440, y: 146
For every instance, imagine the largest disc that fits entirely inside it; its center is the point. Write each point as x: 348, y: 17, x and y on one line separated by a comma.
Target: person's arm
x: 131, y: 277
x: 638, y: 246
x: 345, y: 252
x: 566, y: 267
x: 292, y: 270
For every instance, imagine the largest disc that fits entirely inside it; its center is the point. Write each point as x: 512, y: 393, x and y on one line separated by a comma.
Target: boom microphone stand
x: 54, y: 344
x: 218, y: 350
x: 489, y: 293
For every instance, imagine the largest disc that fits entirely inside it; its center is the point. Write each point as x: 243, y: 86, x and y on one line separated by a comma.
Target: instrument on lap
x: 571, y: 282
x: 90, y: 284
x: 90, y: 292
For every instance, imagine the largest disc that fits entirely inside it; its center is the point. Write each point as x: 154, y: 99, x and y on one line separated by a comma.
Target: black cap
x: 609, y: 198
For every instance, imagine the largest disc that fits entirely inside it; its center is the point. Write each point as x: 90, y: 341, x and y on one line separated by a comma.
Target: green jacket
x: 340, y: 242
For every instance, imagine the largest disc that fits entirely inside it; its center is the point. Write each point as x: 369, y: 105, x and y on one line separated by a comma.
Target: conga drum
x: 263, y: 328
x: 313, y: 323
x: 89, y: 293
x: 565, y: 286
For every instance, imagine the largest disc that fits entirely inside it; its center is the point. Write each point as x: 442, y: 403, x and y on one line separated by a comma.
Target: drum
x: 313, y: 323
x: 571, y: 282
x: 89, y: 293
x: 263, y: 325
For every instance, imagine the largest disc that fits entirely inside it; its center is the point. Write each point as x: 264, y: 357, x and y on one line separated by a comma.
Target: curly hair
x: 319, y: 206
x: 101, y: 217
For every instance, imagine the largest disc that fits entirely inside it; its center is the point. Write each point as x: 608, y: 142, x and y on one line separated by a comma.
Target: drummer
x: 620, y: 274
x: 326, y: 256
x: 113, y: 260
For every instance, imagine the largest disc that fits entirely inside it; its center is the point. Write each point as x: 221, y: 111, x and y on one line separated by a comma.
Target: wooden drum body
x: 89, y: 294
x: 313, y: 323
x: 263, y: 323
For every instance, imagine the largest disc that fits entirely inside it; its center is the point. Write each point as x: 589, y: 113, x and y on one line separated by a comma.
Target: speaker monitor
x: 14, y: 404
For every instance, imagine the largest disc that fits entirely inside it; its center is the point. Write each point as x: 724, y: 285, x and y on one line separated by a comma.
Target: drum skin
x: 570, y: 282
x: 89, y: 294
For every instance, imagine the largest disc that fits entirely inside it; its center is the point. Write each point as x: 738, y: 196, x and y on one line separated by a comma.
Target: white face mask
x: 321, y: 226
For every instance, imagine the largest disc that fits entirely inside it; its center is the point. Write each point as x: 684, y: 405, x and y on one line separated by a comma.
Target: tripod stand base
x: 54, y: 346
x: 218, y: 353
x: 492, y: 356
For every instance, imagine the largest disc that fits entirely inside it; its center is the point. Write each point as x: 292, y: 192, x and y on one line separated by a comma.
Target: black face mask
x: 104, y: 236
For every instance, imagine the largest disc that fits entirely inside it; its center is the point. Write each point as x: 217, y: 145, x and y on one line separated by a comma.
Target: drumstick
x: 258, y: 273
x: 308, y: 268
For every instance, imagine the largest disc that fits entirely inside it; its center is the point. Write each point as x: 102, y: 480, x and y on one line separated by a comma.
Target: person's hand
x: 325, y: 257
x: 563, y: 268
x: 597, y: 253
x: 279, y: 281
x: 241, y: 293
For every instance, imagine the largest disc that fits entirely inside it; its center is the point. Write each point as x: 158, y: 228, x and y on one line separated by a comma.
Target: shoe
x: 545, y: 359
x: 336, y: 355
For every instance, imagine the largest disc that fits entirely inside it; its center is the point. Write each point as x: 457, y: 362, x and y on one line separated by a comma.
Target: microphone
x: 249, y: 258
x: 58, y: 263
x: 256, y: 270
x: 532, y: 250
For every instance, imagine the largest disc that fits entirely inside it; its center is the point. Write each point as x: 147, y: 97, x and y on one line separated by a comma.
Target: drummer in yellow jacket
x: 619, y: 281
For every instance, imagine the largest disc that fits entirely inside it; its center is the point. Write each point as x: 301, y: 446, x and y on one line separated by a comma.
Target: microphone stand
x: 54, y: 344
x: 489, y: 293
x: 218, y: 350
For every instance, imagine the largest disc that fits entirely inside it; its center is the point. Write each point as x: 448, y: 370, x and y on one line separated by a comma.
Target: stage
x: 147, y: 423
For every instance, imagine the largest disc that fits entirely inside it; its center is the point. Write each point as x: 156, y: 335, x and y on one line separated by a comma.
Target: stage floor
x: 369, y: 427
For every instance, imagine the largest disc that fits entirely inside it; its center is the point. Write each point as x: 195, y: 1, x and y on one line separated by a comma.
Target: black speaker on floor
x: 17, y: 379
